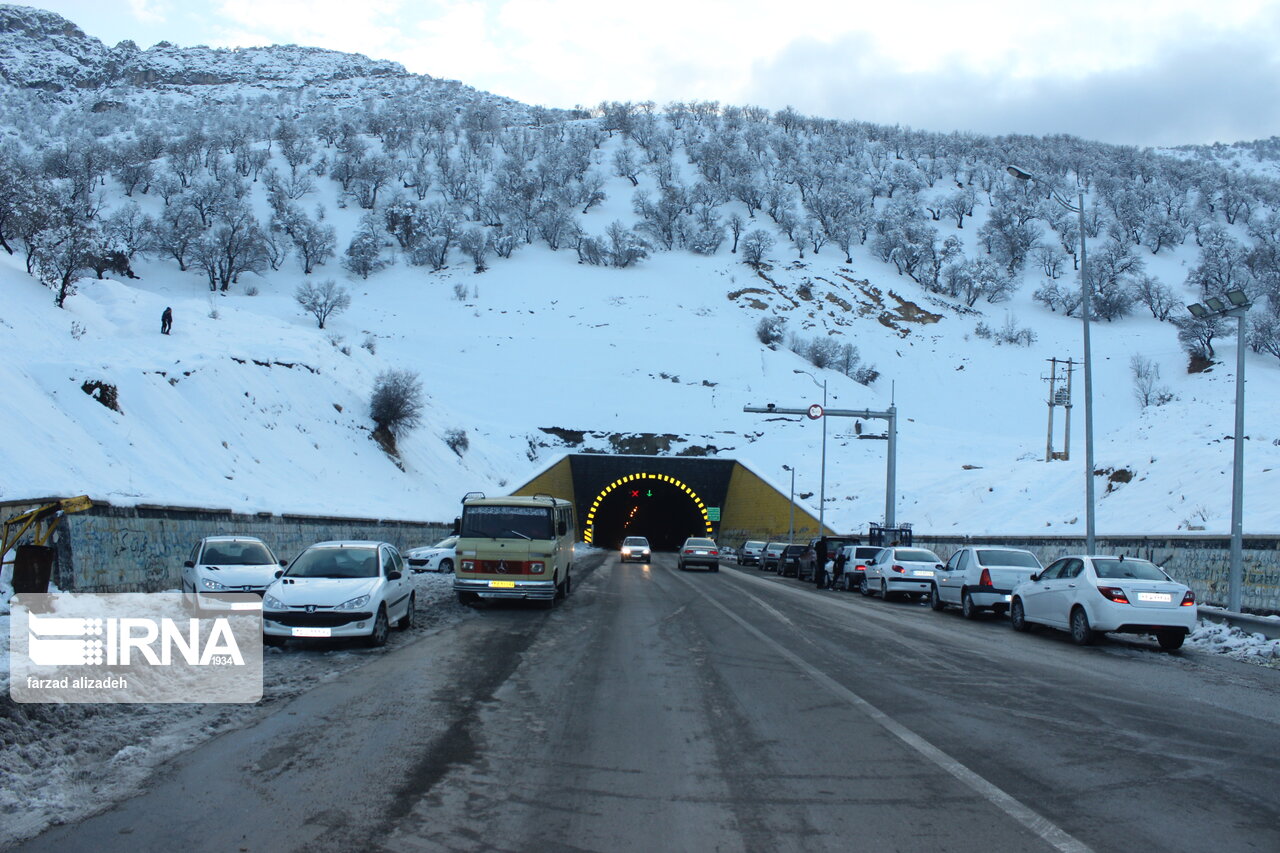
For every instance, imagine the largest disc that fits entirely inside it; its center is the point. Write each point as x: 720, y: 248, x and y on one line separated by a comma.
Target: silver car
x: 981, y: 577
x: 635, y: 548
x: 901, y: 571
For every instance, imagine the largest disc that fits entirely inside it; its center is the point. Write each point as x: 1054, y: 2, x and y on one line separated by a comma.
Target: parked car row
x: 1085, y: 595
x: 334, y: 589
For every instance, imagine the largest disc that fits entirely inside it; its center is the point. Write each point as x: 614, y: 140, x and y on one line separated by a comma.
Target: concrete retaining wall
x: 1200, y: 561
x: 141, y: 549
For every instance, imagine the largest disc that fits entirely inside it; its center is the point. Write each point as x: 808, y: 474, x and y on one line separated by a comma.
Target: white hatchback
x: 1087, y: 595
x: 435, y: 558
x: 219, y: 565
x: 900, y: 571
x: 339, y: 589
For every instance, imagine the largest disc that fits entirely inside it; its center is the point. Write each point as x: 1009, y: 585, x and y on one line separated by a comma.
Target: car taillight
x: 1114, y: 593
x: 860, y: 568
x: 688, y: 550
x: 985, y: 580
x: 715, y: 553
x: 1189, y: 600
x: 899, y: 569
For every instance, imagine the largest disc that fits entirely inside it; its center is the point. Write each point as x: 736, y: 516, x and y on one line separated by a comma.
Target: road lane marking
x: 1046, y: 829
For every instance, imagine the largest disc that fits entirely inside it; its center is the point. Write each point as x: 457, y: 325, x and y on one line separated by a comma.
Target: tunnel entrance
x: 658, y: 507
x: 669, y: 498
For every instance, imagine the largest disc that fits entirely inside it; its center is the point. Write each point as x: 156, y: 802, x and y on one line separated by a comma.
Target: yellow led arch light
x: 589, y: 531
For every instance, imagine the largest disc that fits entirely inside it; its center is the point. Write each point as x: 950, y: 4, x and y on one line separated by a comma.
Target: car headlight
x: 272, y: 603
x: 207, y: 583
x: 536, y: 568
x: 353, y: 604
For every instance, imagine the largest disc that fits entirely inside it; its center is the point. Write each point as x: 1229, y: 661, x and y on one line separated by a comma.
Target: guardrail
x: 1267, y: 627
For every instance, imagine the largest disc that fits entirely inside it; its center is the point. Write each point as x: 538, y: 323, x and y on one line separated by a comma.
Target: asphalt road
x: 657, y: 710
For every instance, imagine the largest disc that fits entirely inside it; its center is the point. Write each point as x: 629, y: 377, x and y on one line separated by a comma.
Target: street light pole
x: 1085, y: 314
x: 791, y: 529
x: 822, y: 477
x: 1238, y: 307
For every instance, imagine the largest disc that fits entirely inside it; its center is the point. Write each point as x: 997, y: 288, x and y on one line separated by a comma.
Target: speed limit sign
x: 815, y: 411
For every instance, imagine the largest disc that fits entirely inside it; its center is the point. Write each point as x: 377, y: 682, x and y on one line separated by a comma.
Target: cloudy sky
x: 1142, y: 72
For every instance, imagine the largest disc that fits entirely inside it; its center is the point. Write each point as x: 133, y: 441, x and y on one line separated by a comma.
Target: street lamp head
x: 1216, y: 304
x: 1198, y: 311
x: 1020, y: 174
x: 1238, y: 298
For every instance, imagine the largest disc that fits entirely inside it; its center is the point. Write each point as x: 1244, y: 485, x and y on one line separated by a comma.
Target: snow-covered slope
x: 249, y: 406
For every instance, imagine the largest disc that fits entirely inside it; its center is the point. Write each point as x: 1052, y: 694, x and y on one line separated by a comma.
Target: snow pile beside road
x: 60, y: 763
x: 1233, y: 642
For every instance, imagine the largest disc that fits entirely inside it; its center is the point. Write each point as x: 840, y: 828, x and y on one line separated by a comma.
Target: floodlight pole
x: 1236, y: 571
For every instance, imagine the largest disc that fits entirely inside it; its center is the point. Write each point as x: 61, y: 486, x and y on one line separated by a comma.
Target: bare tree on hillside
x: 322, y: 301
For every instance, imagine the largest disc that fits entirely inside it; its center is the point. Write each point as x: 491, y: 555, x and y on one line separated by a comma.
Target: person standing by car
x: 820, y: 563
x: 837, y: 566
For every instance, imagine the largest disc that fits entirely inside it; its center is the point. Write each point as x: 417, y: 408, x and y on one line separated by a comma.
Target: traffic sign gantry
x: 891, y: 464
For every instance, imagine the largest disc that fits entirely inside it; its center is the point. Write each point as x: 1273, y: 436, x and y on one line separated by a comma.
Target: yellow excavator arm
x: 43, y: 519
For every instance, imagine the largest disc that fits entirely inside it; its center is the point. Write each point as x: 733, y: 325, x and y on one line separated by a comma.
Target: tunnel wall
x: 756, y: 510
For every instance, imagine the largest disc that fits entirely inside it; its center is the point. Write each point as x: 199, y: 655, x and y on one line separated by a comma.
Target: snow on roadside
x: 61, y: 763
x: 1229, y: 640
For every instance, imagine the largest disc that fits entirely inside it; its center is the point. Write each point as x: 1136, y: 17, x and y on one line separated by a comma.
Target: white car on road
x: 434, y: 558
x: 340, y: 589
x: 981, y: 577
x: 900, y: 571
x: 219, y: 565
x: 1087, y: 595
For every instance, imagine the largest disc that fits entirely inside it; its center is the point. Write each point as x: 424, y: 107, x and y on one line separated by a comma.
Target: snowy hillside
x: 249, y: 406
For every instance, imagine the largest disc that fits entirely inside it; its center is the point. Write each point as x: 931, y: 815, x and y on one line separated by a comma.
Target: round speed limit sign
x: 815, y: 411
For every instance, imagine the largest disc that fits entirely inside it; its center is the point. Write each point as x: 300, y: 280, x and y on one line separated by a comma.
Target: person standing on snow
x: 166, y: 321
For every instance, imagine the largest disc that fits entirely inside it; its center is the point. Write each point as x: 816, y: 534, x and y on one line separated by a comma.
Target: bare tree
x: 232, y: 247
x: 322, y: 301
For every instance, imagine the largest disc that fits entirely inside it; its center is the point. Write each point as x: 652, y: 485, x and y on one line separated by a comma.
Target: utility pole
x: 1059, y: 396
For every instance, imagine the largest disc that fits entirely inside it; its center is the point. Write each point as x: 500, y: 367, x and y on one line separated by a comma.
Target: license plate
x: 922, y: 574
x: 1162, y: 597
x: 312, y: 632
x: 502, y: 584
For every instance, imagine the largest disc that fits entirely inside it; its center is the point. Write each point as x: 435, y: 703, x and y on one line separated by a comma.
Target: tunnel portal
x: 656, y: 506
x: 669, y: 498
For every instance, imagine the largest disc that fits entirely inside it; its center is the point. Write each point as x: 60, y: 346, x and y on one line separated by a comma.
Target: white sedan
x: 435, y: 558
x: 340, y: 589
x: 219, y: 565
x: 900, y: 571
x: 1088, y: 595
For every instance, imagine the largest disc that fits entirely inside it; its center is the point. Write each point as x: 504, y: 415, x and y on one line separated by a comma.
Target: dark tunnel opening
x: 660, y: 511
